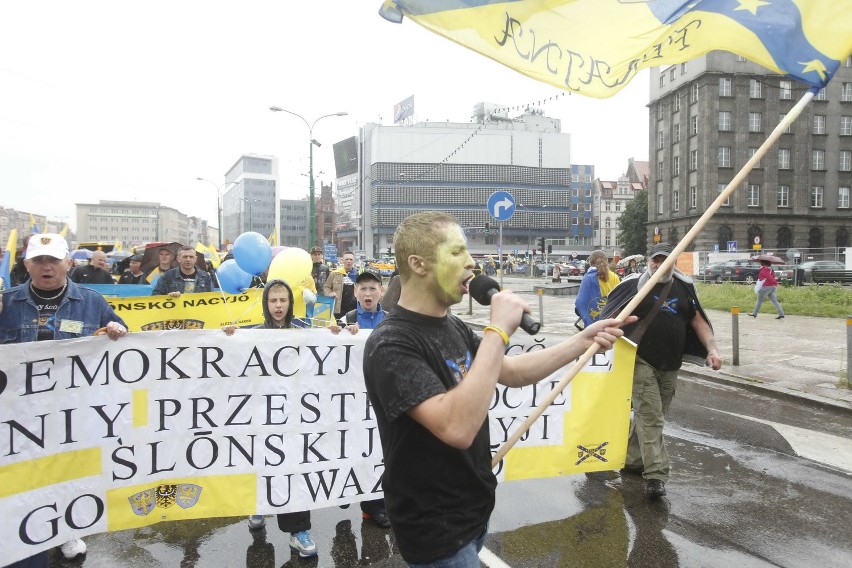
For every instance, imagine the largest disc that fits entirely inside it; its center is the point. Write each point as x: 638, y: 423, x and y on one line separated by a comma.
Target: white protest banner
x: 99, y: 435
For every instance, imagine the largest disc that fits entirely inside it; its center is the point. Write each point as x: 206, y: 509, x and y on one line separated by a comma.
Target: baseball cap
x: 316, y: 249
x: 47, y: 244
x: 661, y: 249
x: 368, y: 275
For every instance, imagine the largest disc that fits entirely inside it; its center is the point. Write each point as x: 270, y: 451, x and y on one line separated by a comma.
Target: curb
x: 689, y: 371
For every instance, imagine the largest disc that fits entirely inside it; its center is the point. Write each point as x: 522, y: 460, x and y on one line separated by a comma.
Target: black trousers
x: 294, y: 522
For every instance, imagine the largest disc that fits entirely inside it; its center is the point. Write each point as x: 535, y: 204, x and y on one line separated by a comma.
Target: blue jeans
x: 768, y: 292
x: 465, y: 557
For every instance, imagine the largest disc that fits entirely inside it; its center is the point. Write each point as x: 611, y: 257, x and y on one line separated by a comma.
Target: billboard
x: 346, y: 157
x: 403, y: 110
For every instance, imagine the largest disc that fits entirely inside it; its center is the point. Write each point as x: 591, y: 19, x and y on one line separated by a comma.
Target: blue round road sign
x: 501, y: 205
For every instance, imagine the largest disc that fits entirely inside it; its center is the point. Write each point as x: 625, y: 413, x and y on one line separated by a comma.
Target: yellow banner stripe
x: 41, y: 472
x: 140, y: 408
x: 181, y: 499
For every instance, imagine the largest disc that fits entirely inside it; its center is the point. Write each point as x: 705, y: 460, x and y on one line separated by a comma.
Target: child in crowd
x: 278, y: 314
x: 368, y: 314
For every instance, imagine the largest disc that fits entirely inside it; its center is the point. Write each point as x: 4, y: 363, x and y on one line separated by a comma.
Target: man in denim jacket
x: 50, y: 306
x: 187, y: 278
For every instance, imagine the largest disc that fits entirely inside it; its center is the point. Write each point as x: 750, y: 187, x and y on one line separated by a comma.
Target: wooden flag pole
x: 652, y: 281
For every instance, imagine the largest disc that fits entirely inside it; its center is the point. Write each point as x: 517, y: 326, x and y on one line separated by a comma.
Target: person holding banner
x: 672, y: 326
x: 51, y: 306
x: 431, y: 380
x: 368, y: 314
x: 278, y: 314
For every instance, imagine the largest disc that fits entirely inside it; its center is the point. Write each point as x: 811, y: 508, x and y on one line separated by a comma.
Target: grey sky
x: 134, y: 100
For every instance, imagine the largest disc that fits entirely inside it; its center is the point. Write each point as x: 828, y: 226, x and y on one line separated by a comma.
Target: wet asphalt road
x: 740, y: 495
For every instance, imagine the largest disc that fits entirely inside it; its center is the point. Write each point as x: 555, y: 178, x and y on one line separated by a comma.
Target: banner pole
x: 652, y: 281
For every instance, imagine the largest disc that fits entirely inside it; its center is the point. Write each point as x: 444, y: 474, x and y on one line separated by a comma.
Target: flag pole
x: 652, y: 281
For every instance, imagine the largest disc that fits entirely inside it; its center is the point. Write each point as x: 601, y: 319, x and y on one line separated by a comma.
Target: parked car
x: 713, y: 273
x: 741, y: 271
x: 784, y: 272
x: 812, y: 266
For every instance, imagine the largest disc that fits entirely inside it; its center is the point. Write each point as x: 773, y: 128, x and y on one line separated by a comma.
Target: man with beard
x: 430, y: 380
x: 679, y: 329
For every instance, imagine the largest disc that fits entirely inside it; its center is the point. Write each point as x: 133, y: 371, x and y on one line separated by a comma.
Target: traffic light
x: 487, y: 227
x: 549, y: 249
x: 389, y: 251
x: 541, y: 244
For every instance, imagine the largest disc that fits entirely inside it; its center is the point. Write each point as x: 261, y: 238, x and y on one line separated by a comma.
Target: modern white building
x: 455, y: 167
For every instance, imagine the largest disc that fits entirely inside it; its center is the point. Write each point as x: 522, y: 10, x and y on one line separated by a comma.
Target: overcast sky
x: 133, y: 100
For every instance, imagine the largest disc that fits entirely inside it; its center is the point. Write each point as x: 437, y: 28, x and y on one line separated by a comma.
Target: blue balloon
x: 252, y: 252
x: 232, y: 278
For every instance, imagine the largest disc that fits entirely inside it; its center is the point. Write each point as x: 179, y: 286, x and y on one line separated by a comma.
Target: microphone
x: 482, y: 288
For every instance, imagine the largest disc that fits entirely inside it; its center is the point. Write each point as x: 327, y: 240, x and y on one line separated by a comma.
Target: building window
x: 676, y: 166
x: 675, y: 133
x: 816, y: 196
x: 575, y: 220
x: 846, y: 125
x: 659, y: 140
x: 843, y: 198
x: 845, y: 164
x: 846, y: 92
x: 575, y: 207
x: 693, y: 197
x: 587, y: 207
x: 719, y: 189
x: 785, y: 90
x: 751, y: 153
x: 575, y: 178
x: 693, y: 93
x: 660, y: 111
x: 783, y: 158
x: 693, y: 160
x: 819, y: 124
x: 755, y: 89
x: 724, y: 86
x: 724, y: 157
x: 607, y: 205
x: 783, y: 196
x: 693, y: 125
x: 659, y: 202
x: 724, y: 121
x: 587, y: 220
x: 662, y: 80
x: 755, y: 122
x: 820, y: 96
x: 789, y: 129
x: 672, y: 74
x: 607, y: 223
x: 660, y: 170
x: 753, y: 199
x: 818, y: 160
x: 618, y: 206
x: 675, y: 200
x: 676, y: 103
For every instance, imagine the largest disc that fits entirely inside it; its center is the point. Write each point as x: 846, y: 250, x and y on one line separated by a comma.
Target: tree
x: 632, y: 224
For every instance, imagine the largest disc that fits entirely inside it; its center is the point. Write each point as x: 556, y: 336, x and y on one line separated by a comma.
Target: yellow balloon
x: 293, y: 266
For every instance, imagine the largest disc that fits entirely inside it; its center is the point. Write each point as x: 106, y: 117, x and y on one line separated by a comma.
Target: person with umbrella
x: 767, y: 285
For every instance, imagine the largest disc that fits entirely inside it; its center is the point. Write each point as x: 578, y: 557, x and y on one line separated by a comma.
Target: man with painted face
x: 679, y: 329
x: 430, y: 380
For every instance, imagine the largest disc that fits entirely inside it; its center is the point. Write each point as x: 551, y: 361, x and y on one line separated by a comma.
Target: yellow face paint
x: 453, y: 264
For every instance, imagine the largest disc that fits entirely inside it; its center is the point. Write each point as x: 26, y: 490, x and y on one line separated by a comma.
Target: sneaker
x: 256, y: 522
x: 73, y: 548
x: 381, y: 519
x: 655, y: 488
x: 301, y: 542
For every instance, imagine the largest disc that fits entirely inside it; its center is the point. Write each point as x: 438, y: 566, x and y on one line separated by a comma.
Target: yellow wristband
x: 498, y: 331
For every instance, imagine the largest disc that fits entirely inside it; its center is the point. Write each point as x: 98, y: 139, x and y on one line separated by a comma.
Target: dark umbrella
x: 770, y: 258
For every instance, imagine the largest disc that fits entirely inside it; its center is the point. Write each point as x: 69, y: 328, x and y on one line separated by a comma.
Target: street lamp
x: 311, y: 204
x: 218, y: 202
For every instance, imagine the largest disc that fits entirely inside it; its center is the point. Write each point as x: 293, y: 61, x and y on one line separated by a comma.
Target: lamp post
x: 218, y: 202
x: 311, y: 202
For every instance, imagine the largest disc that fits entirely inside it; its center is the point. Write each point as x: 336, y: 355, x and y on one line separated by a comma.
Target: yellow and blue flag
x: 33, y: 227
x: 594, y: 47
x: 8, y: 260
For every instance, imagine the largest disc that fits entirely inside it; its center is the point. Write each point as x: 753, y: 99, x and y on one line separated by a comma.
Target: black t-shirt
x: 347, y: 298
x: 188, y: 281
x: 438, y: 498
x: 663, y: 343
x: 46, y: 311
